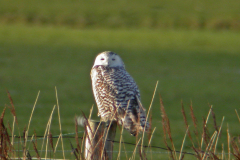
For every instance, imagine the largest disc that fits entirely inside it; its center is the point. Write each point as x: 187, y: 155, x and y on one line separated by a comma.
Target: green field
x: 198, y: 66
x: 192, y: 49
x: 199, y: 14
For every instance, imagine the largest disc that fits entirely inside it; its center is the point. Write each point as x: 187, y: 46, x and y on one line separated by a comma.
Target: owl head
x: 108, y: 58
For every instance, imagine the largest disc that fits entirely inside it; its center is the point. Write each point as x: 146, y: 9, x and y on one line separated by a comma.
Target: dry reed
x: 206, y: 149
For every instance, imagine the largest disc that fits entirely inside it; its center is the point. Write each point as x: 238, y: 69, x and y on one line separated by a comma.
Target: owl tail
x: 135, y: 122
x: 133, y: 118
x: 144, y: 125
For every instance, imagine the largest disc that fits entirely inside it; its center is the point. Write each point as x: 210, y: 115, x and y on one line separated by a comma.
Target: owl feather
x: 116, y: 93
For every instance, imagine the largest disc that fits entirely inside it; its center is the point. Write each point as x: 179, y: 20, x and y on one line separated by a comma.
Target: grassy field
x: 204, y: 14
x: 198, y: 66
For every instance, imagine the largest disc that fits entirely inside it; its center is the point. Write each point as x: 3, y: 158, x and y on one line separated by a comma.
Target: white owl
x: 116, y: 93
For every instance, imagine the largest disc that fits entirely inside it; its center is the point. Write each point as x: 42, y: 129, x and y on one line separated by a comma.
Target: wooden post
x: 95, y: 145
x: 94, y: 140
x: 110, y: 138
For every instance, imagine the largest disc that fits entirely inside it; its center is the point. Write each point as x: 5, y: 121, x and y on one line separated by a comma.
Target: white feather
x: 114, y: 89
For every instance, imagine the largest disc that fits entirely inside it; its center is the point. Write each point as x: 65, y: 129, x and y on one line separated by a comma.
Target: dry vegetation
x: 204, y: 144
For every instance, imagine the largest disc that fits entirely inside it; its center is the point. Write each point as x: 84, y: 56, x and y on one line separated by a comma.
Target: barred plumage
x: 116, y: 93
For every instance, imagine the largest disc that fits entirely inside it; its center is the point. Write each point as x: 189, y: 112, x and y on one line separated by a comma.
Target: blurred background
x: 191, y: 47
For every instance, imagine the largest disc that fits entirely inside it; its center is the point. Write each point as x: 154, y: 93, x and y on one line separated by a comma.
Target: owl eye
x: 102, y: 59
x: 113, y: 59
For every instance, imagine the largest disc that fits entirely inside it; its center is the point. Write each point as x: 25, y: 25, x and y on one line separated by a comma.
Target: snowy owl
x: 116, y: 93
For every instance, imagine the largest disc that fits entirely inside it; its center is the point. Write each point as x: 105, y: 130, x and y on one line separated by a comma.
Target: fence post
x: 110, y: 138
x: 96, y: 133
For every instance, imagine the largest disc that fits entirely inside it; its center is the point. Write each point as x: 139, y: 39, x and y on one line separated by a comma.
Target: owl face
x: 109, y: 59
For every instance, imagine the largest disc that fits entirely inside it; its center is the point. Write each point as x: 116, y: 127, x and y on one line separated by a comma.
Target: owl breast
x: 113, y: 88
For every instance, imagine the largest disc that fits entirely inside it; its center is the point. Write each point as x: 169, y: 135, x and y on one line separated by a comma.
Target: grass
x: 198, y: 66
x: 204, y: 144
x: 204, y: 14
